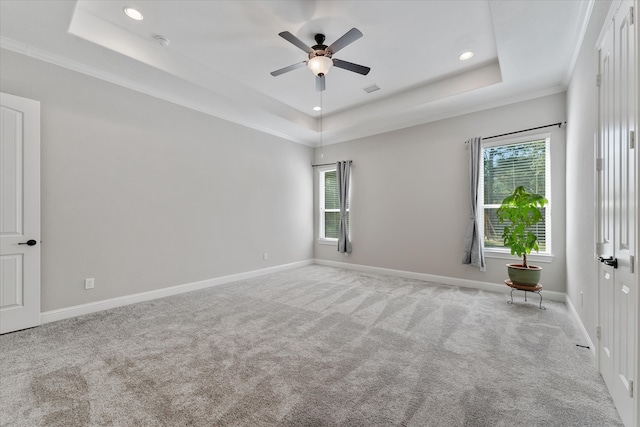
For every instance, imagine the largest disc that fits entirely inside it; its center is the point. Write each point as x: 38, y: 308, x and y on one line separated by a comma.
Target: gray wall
x: 581, y: 176
x: 410, y: 207
x: 143, y: 194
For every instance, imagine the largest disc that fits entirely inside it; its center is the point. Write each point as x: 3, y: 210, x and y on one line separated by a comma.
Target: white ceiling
x: 221, y: 54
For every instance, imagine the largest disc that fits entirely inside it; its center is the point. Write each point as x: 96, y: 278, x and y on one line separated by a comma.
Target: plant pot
x: 524, y: 276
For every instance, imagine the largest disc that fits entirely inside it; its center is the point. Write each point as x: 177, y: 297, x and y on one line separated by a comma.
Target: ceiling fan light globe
x: 320, y: 65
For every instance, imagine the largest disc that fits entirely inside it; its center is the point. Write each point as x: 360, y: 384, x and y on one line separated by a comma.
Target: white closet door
x: 618, y: 215
x: 625, y: 282
x: 606, y: 203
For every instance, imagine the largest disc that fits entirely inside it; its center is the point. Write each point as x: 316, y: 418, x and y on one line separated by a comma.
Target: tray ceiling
x: 220, y: 55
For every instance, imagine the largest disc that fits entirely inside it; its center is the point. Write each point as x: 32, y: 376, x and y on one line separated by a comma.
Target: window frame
x: 505, y: 253
x: 322, y: 170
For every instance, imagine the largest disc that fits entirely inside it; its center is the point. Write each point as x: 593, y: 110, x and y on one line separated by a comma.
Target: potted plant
x: 521, y: 210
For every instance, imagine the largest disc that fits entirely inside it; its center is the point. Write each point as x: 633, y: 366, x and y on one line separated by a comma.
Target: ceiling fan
x: 321, y: 56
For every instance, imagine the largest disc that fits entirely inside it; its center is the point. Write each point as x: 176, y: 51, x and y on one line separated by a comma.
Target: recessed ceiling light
x: 133, y: 13
x: 466, y: 55
x: 316, y: 108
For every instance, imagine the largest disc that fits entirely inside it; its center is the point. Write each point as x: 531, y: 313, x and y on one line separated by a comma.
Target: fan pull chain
x: 321, y: 114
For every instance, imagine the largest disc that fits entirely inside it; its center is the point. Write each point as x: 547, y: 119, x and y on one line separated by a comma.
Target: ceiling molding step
x: 183, y: 101
x: 419, y: 117
x: 586, y: 11
x: 408, y: 100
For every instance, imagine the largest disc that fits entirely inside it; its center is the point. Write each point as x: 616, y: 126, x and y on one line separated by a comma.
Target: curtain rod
x: 559, y: 124
x: 330, y: 164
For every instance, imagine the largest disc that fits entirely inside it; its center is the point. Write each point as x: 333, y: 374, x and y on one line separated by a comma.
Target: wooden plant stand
x: 537, y: 289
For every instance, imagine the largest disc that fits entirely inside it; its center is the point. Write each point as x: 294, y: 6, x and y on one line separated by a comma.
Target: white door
x: 624, y: 283
x: 606, y: 213
x: 20, y: 210
x: 617, y: 195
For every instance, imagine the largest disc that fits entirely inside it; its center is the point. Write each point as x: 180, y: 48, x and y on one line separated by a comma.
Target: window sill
x: 498, y: 254
x: 333, y: 242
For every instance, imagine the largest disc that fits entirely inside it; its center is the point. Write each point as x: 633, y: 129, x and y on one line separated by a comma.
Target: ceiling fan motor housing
x: 320, y: 49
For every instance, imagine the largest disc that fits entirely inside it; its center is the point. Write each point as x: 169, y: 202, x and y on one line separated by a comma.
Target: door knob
x: 613, y: 262
x: 29, y: 243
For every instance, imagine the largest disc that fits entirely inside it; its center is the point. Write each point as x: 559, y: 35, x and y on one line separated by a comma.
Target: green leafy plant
x: 522, y: 210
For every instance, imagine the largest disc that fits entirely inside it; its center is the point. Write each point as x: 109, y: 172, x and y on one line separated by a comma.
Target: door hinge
x: 598, y: 332
x: 631, y: 18
x: 598, y: 80
x: 631, y: 389
x: 632, y: 263
x: 598, y: 165
x: 632, y: 139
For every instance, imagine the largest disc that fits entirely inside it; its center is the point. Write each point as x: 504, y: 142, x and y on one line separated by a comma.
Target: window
x: 507, y: 165
x: 329, y: 205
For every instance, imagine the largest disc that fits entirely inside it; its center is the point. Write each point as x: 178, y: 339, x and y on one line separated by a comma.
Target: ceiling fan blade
x: 320, y: 86
x: 289, y: 68
x: 360, y: 69
x: 350, y: 36
x: 295, y: 41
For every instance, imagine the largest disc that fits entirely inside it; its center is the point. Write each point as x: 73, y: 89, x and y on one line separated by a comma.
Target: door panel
x: 20, y: 209
x: 11, y: 281
x: 607, y: 293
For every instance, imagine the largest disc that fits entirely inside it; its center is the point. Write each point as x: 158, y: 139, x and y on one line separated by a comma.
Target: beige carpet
x: 315, y: 346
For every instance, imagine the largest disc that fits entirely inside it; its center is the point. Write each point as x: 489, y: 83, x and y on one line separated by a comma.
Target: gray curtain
x: 343, y: 172
x: 473, y: 244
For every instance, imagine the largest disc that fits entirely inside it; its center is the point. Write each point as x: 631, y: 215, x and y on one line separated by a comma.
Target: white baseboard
x: 92, y: 307
x: 464, y: 283
x: 585, y: 334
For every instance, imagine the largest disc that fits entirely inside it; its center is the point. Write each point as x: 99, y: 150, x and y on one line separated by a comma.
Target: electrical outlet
x: 89, y: 283
x: 265, y: 256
